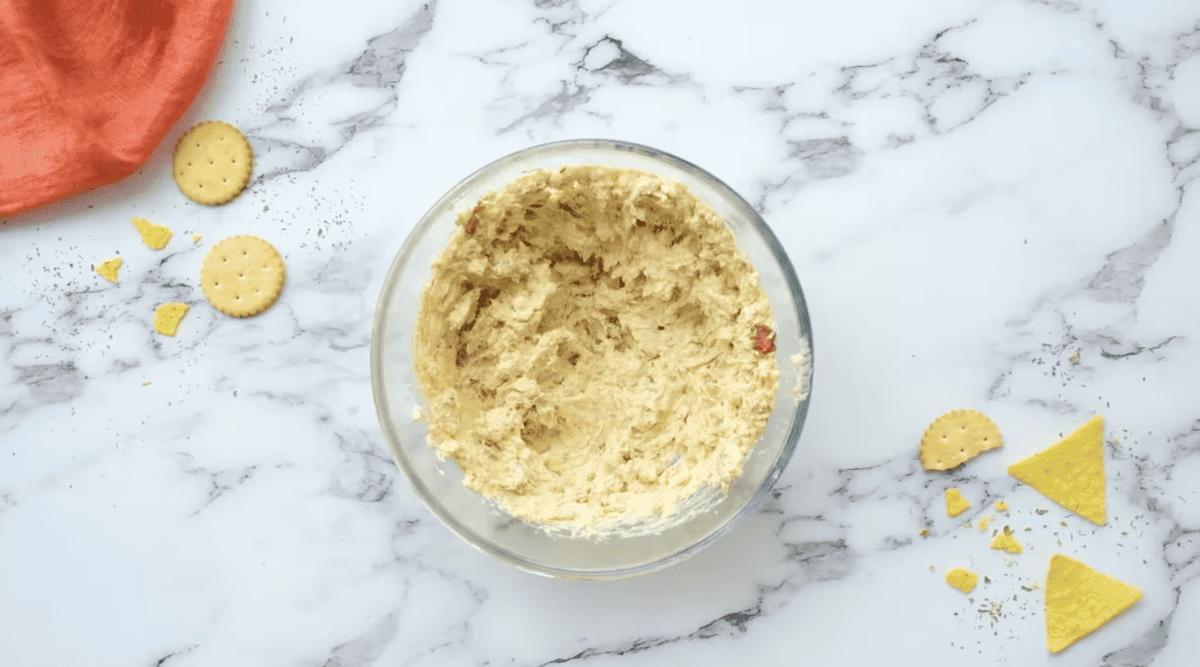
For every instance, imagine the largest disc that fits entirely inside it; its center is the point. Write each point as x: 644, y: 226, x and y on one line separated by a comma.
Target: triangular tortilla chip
x: 1079, y: 600
x: 1070, y: 472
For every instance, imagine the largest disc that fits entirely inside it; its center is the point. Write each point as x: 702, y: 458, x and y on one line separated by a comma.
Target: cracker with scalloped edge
x: 957, y: 437
x: 242, y: 275
x: 1079, y: 600
x: 213, y: 162
x: 1071, y: 471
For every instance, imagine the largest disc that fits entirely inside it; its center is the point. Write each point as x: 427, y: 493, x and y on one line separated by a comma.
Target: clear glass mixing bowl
x: 482, y: 522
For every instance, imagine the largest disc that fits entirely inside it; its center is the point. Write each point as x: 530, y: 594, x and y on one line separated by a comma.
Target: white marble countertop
x: 972, y: 193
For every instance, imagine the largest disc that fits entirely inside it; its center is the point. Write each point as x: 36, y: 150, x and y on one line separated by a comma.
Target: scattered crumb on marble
x: 984, y: 522
x: 146, y: 383
x: 1041, y: 511
x: 1001, y: 506
x: 1074, y: 359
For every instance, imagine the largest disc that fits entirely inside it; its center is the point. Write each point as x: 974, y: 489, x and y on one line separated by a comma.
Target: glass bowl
x: 482, y: 522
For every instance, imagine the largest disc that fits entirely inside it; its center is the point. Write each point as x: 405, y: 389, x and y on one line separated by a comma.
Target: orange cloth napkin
x: 88, y: 88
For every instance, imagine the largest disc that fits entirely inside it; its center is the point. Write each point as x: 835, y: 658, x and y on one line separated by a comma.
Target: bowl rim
x: 391, y: 283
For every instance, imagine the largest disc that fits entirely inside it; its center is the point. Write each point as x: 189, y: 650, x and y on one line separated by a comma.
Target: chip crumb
x: 196, y: 238
x: 416, y: 413
x: 984, y: 522
x: 154, y: 235
x: 146, y: 383
x: 955, y: 503
x: 924, y: 532
x: 168, y: 316
x: 957, y: 437
x: 108, y: 269
x: 1006, y: 542
x: 1001, y: 506
x: 1074, y: 359
x: 962, y: 579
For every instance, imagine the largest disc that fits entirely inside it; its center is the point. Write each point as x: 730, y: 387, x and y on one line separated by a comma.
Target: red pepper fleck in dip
x: 473, y: 223
x: 764, y: 339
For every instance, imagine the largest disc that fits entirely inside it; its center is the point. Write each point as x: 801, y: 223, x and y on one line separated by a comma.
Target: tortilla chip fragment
x: 167, y: 317
x: 1079, y: 600
x: 153, y: 235
x: 963, y: 580
x: 984, y: 523
x: 957, y: 437
x: 955, y: 503
x: 108, y: 269
x: 1006, y: 542
x: 1071, y: 472
x: 1001, y: 506
x: 196, y: 238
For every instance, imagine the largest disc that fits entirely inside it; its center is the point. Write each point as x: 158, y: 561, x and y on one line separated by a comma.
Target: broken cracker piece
x: 1071, y: 472
x: 957, y: 437
x: 955, y: 503
x: 1006, y: 542
x: 1079, y: 600
x: 167, y: 317
x: 962, y: 579
x: 108, y: 269
x: 153, y: 235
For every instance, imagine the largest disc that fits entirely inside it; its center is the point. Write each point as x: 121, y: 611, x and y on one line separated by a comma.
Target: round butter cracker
x: 213, y: 162
x: 957, y: 437
x: 242, y: 275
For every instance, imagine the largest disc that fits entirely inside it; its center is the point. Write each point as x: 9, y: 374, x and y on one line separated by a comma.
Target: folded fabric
x: 88, y: 88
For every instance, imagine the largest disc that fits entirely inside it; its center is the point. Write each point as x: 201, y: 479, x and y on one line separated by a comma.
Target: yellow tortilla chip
x: 108, y: 269
x: 984, y: 523
x: 963, y: 580
x: 1079, y: 600
x: 955, y: 503
x: 1006, y: 542
x: 1071, y: 472
x: 957, y: 437
x: 1001, y: 506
